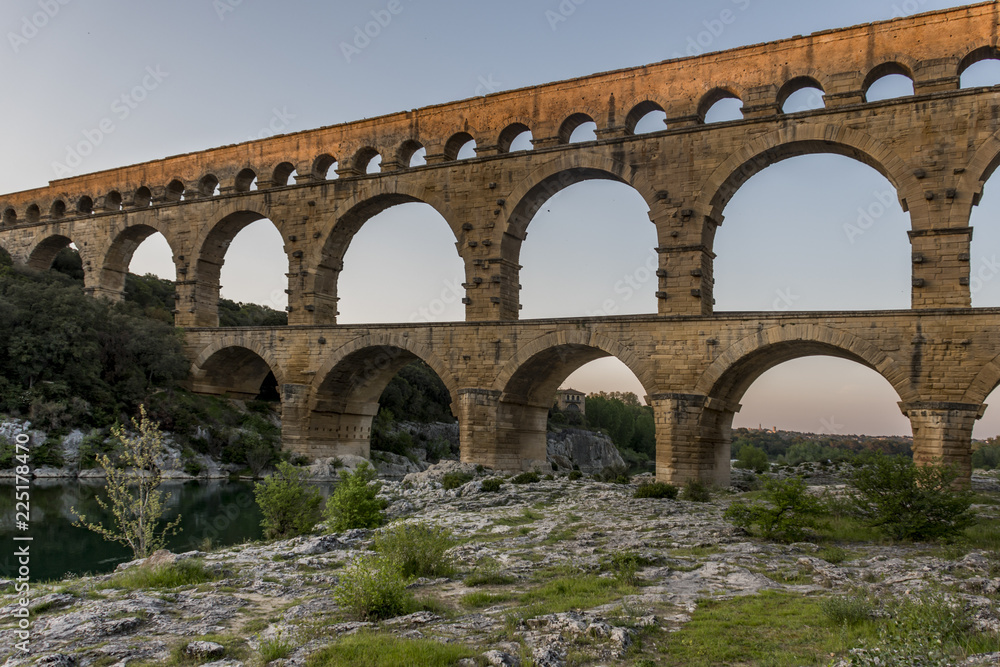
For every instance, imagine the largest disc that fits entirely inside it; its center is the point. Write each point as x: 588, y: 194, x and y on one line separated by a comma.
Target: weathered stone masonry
x: 937, y: 148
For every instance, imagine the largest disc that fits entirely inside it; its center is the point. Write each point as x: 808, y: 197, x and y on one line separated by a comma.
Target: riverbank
x: 539, y: 580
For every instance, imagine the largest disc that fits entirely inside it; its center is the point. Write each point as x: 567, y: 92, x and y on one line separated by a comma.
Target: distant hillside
x: 793, y: 447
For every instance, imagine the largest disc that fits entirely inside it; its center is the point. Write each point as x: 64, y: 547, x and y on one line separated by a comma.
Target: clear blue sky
x: 230, y: 69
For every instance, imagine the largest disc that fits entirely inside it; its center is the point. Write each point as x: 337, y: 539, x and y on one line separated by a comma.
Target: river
x: 213, y: 514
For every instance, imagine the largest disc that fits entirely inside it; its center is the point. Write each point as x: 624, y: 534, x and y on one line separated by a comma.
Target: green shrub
x: 625, y: 565
x: 788, y: 511
x: 453, y: 480
x: 488, y: 573
x: 656, y: 490
x: 290, y: 507
x: 492, y: 485
x: 987, y: 457
x: 614, y: 475
x: 906, y: 501
x: 752, y: 458
x: 371, y: 649
x: 697, y: 491
x: 417, y: 550
x: 851, y: 610
x: 575, y: 475
x: 355, y: 502
x: 174, y: 575
x: 372, y: 588
x: 93, y: 446
x: 530, y: 477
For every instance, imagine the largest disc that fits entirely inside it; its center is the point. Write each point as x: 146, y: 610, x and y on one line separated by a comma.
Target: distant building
x: 571, y: 400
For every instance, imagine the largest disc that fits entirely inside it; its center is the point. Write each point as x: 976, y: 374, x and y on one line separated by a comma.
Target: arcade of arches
x: 936, y: 145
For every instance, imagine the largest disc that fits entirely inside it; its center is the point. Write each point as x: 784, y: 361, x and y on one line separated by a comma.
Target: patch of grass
x: 658, y: 490
x: 236, y: 649
x: 530, y: 477
x: 456, y: 479
x: 417, y: 550
x: 851, y: 610
x: 372, y: 588
x: 274, y: 648
x: 492, y: 485
x: 176, y: 575
x: 366, y: 649
x: 696, y: 492
x: 488, y: 573
x: 768, y: 629
x: 482, y: 599
x: 844, y: 528
x: 832, y: 555
x: 527, y: 516
x: 562, y: 535
x: 565, y: 593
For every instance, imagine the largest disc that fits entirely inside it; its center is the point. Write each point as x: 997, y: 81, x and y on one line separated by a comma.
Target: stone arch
x: 113, y: 201
x: 980, y: 169
x: 44, y: 249
x: 512, y: 129
x: 984, y: 383
x: 362, y: 158
x: 739, y: 366
x: 9, y: 216
x: 234, y: 365
x: 175, y: 190
x: 406, y: 152
x: 639, y: 110
x: 796, y: 140
x: 345, y: 393
x: 142, y: 198
x: 207, y: 185
x: 903, y: 66
x: 321, y: 166
x: 978, y: 54
x: 33, y: 213
x: 571, y: 348
x: 326, y: 258
x: 281, y: 174
x: 794, y: 85
x: 118, y: 255
x: 456, y: 143
x: 714, y: 96
x: 572, y: 122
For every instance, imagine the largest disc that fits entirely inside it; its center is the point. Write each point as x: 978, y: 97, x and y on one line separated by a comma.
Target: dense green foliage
x: 696, y: 491
x: 656, y: 490
x: 289, y: 505
x: 795, y: 448
x: 355, y: 502
x: 627, y: 422
x: 455, y: 479
x: 786, y: 512
x: 372, y: 588
x: 417, y: 394
x: 67, y: 359
x: 371, y: 649
x: 987, y: 457
x: 492, y: 485
x: 906, y: 501
x: 417, y: 549
x: 752, y: 458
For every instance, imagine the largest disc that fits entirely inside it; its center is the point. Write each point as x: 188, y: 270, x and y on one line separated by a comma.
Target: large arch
x: 527, y: 384
x: 797, y: 140
x: 44, y: 249
x: 234, y: 366
x: 327, y: 258
x: 344, y: 396
x: 211, y: 248
x: 118, y: 256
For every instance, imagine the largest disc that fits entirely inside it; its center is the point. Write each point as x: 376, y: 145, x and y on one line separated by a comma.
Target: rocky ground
x: 274, y: 599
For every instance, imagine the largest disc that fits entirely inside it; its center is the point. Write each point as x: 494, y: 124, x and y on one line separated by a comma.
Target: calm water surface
x: 221, y: 512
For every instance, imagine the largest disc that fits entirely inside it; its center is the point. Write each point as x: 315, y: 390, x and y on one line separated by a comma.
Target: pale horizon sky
x: 231, y: 70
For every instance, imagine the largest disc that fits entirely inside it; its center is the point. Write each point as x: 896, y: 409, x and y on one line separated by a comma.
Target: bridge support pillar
x: 942, y: 433
x: 693, y: 437
x: 500, y: 434
x: 941, y: 268
x: 196, y: 305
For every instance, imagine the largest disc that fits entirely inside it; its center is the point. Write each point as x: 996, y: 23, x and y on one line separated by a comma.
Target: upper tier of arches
x: 613, y: 102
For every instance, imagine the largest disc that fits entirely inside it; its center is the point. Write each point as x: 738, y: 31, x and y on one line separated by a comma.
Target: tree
x: 290, y: 507
x: 132, y: 484
x: 788, y: 511
x: 355, y: 502
x: 752, y: 458
x: 906, y: 501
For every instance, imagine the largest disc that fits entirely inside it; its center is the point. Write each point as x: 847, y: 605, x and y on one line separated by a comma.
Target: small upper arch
x: 85, y: 205
x: 571, y: 124
x: 796, y: 85
x: 282, y: 174
x: 142, y: 198
x: 975, y: 70
x: 879, y: 72
x: 324, y: 167
x: 639, y: 112
x: 407, y: 150
x: 713, y: 97
x: 9, y: 216
x: 510, y: 134
x: 33, y: 213
x: 175, y: 190
x: 113, y: 201
x: 453, y: 148
x: 978, y: 55
x: 208, y: 186
x: 245, y: 180
x: 365, y: 160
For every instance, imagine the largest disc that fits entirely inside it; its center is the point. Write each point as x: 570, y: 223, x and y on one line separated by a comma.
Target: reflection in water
x: 221, y: 512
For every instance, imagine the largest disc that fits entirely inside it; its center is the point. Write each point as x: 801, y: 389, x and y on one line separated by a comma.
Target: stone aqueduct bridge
x: 937, y: 148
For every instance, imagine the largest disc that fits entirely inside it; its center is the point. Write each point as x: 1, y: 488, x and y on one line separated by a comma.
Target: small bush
x: 625, y: 565
x: 183, y: 573
x: 488, y: 573
x: 614, y: 475
x: 656, y: 490
x: 696, y: 491
x: 275, y: 648
x: 575, y: 475
x: 290, y: 507
x: 752, y: 458
x: 454, y: 480
x: 355, y: 502
x: 904, y: 501
x: 785, y: 515
x: 372, y: 589
x: 492, y: 485
x: 850, y: 610
x: 417, y: 550
x: 530, y: 477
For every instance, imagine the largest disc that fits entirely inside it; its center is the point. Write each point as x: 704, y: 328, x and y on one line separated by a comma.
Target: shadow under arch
x: 328, y: 257
x: 527, y: 385
x: 44, y: 250
x: 344, y: 396
x: 234, y: 366
x: 799, y: 140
